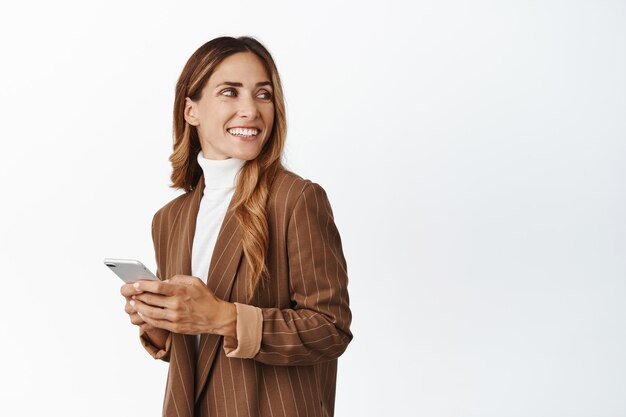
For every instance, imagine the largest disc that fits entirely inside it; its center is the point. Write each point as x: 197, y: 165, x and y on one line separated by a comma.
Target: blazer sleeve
x: 317, y: 327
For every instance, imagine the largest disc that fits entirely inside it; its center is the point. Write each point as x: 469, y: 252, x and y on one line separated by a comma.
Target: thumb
x: 185, y: 279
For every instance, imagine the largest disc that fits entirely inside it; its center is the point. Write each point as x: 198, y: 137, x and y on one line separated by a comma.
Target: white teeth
x: 238, y: 131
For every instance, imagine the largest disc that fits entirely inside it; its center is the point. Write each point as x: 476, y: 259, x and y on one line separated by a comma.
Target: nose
x: 248, y: 107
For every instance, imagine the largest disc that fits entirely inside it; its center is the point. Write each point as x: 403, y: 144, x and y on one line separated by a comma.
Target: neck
x: 220, y: 173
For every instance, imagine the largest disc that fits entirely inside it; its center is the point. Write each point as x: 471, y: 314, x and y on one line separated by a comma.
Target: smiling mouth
x: 243, y: 132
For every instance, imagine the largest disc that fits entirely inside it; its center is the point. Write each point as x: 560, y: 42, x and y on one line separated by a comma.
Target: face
x: 235, y: 113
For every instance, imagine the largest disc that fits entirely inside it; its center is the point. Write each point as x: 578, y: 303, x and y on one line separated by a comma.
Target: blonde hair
x: 256, y: 176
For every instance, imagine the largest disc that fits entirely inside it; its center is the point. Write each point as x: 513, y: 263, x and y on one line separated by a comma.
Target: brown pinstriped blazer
x: 305, y: 308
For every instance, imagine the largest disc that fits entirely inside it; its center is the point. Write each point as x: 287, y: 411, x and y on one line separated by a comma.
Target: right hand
x: 128, y: 291
x: 157, y: 337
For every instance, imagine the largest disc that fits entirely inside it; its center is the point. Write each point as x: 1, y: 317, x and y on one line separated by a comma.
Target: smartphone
x: 130, y: 270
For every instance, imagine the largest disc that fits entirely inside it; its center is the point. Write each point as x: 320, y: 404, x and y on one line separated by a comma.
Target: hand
x: 183, y: 304
x: 128, y: 291
x: 157, y: 336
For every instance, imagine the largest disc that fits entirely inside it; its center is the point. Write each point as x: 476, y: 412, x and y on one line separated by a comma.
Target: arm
x: 316, y: 328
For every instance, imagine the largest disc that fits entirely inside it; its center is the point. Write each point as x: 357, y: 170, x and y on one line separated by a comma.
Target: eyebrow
x: 233, y: 84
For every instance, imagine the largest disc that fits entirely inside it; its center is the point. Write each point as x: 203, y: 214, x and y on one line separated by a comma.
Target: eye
x: 229, y: 92
x: 265, y: 95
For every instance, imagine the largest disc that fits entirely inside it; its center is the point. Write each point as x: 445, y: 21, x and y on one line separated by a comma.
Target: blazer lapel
x: 181, y: 379
x: 222, y: 271
x: 184, y: 226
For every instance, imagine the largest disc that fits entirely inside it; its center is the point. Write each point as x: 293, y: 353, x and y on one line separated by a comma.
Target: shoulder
x: 287, y: 185
x: 172, y: 209
x: 289, y: 190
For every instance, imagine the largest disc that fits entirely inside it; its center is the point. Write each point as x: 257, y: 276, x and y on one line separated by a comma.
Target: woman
x: 249, y: 257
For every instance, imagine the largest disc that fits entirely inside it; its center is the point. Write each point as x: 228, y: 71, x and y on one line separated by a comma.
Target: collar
x: 220, y: 173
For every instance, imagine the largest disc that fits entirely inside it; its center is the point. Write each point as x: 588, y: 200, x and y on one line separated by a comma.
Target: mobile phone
x: 130, y: 270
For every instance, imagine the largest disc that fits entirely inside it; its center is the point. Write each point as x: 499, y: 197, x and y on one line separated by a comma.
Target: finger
x: 154, y: 313
x: 128, y: 290
x: 183, y: 279
x: 145, y: 327
x: 136, y: 319
x: 130, y: 306
x: 155, y: 287
x: 155, y: 323
x: 187, y: 281
x: 174, y: 327
x: 155, y: 300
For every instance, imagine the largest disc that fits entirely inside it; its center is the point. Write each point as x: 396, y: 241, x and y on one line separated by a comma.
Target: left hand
x: 184, y: 304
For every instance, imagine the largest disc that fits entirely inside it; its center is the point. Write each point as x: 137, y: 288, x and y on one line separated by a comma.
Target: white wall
x: 474, y: 154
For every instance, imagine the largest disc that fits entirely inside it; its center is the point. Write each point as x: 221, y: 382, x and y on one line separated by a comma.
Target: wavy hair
x: 256, y: 176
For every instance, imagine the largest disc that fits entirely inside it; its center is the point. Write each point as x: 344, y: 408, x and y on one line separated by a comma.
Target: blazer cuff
x: 155, y: 352
x: 249, y: 332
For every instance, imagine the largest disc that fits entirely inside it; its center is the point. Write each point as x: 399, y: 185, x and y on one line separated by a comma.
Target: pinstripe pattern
x: 304, y: 304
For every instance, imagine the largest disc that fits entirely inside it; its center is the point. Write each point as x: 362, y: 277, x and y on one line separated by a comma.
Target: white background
x: 473, y: 152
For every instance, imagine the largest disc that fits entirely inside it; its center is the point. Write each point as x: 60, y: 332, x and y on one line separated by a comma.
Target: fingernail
x: 140, y: 315
x: 136, y: 285
x: 132, y: 303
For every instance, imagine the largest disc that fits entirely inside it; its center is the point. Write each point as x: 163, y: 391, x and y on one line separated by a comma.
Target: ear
x: 191, y: 112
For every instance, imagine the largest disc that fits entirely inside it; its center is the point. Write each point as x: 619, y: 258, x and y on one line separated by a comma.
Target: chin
x: 246, y: 153
x: 246, y: 156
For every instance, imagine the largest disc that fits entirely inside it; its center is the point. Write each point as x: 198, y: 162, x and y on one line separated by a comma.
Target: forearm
x: 302, y: 337
x: 288, y: 336
x: 225, y: 322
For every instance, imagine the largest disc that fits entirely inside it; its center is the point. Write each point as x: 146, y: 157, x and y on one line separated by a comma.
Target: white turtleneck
x: 220, y: 180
